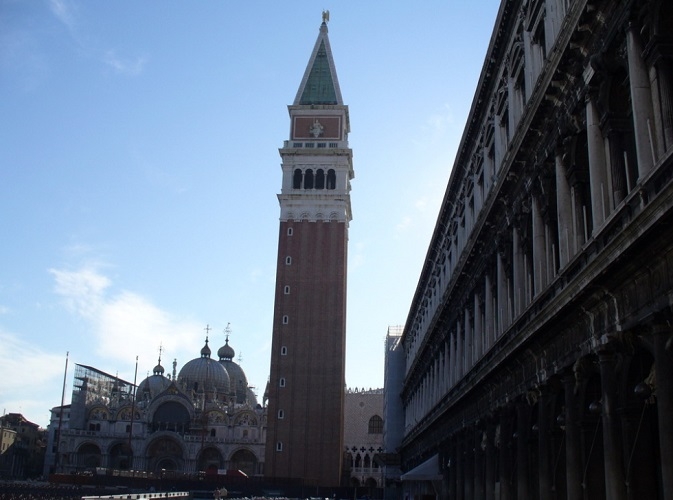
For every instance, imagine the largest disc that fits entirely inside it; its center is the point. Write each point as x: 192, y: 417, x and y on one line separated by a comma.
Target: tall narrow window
x: 281, y: 382
x: 296, y: 179
x: 331, y: 179
x: 281, y: 415
x: 286, y: 290
x: 279, y: 446
x: 286, y: 320
x: 288, y: 260
x: 308, y: 179
x: 283, y: 351
x: 320, y: 179
x: 290, y: 231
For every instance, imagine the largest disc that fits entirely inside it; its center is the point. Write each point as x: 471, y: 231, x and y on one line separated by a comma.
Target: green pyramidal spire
x: 320, y: 84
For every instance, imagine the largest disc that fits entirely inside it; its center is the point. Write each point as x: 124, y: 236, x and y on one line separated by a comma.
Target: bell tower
x: 307, y: 376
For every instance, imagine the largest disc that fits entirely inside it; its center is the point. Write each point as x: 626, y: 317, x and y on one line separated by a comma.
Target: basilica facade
x: 203, y: 419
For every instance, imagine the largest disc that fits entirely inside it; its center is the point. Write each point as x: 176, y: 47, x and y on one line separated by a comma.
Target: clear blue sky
x: 139, y: 170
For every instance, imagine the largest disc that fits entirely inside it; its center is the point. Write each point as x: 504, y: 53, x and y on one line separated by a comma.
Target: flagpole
x: 60, y: 413
x: 133, y: 411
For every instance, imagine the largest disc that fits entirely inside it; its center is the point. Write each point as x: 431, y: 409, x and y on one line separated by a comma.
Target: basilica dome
x: 237, y: 378
x: 153, y: 384
x: 205, y: 375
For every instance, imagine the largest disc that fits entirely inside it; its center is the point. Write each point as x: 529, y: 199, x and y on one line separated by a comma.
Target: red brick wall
x: 315, y: 337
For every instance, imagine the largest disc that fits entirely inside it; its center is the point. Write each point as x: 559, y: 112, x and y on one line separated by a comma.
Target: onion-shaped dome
x: 205, y: 375
x: 252, y: 398
x: 237, y: 378
x: 153, y: 385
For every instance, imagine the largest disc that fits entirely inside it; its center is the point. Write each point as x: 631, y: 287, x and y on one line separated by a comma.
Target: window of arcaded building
x: 375, y: 425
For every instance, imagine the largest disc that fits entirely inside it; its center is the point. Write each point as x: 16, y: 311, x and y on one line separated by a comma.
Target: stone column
x: 506, y: 457
x: 460, y: 354
x: 662, y: 77
x: 522, y: 428
x: 615, y: 479
x: 453, y: 463
x: 517, y: 271
x: 641, y: 100
x: 539, y: 246
x: 469, y: 340
x: 469, y: 464
x: 545, y: 472
x: 460, y: 466
x: 452, y: 358
x: 489, y: 467
x: 478, y: 191
x: 478, y: 330
x: 598, y: 178
x: 573, y: 443
x: 499, y: 142
x: 489, y: 313
x: 564, y: 211
x: 618, y: 167
x: 503, y: 302
x: 478, y: 475
x: 663, y: 366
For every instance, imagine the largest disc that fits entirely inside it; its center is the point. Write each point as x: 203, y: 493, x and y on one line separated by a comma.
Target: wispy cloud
x: 29, y: 376
x: 124, y: 323
x: 403, y: 225
x: 126, y: 66
x: 65, y: 12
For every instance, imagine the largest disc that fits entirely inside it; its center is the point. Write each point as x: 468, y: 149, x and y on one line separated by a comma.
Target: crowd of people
x: 20, y: 490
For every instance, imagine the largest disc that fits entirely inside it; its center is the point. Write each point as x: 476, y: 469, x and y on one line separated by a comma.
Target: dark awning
x: 427, y: 471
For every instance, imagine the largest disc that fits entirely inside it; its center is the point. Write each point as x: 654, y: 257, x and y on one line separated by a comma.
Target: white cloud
x: 132, y: 67
x: 30, y: 377
x: 129, y: 325
x: 403, y: 225
x: 64, y: 12
x: 123, y: 323
x: 82, y: 289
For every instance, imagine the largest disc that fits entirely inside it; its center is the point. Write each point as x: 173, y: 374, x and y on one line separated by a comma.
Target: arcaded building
x: 363, y: 439
x: 202, y: 418
x: 538, y: 346
x: 308, y: 351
